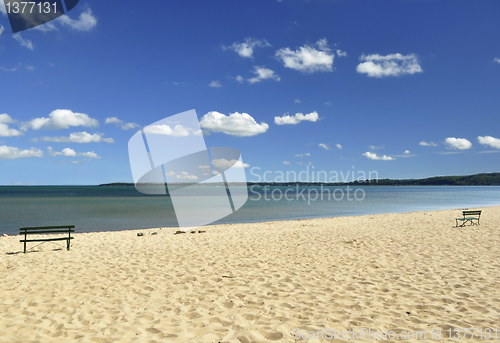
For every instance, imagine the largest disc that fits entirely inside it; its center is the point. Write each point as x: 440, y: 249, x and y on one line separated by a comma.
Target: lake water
x: 93, y: 208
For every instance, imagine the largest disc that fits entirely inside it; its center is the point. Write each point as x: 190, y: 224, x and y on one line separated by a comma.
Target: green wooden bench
x: 471, y: 217
x: 44, y: 230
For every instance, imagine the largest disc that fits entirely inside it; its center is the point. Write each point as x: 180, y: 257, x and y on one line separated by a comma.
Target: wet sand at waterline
x: 257, y: 282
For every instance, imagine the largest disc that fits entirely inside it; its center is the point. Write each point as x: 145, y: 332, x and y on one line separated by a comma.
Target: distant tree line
x: 484, y: 179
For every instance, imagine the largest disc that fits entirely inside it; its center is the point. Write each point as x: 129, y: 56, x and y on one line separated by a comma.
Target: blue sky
x: 409, y: 89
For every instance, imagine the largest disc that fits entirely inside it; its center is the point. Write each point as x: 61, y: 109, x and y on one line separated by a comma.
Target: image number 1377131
x: 24, y: 15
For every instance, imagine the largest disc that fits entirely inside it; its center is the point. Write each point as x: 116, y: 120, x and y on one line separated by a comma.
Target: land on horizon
x: 482, y: 179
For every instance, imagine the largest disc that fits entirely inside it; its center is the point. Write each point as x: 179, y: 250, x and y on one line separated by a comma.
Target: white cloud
x: 308, y: 59
x: 60, y: 119
x: 2, y: 8
x: 121, y: 123
x: 78, y: 137
x: 23, y: 42
x: 374, y: 147
x: 297, y: 101
x: 240, y: 78
x: 297, y: 118
x: 1, y: 29
x: 458, y: 143
x: 376, y: 65
x: 246, y: 48
x: 10, y: 152
x: 263, y: 74
x: 163, y: 129
x: 407, y: 152
x: 5, y: 131
x: 339, y: 146
x: 341, y: 53
x: 236, y: 124
x: 85, y: 22
x: 373, y: 156
x: 489, y: 141
x: 222, y: 164
x: 215, y: 84
x: 496, y: 59
x: 324, y: 146
x: 47, y: 27
x: 303, y: 155
x: 304, y: 164
x: 424, y: 143
x: 286, y: 163
x: 7, y: 69
x: 182, y: 175
x: 68, y: 152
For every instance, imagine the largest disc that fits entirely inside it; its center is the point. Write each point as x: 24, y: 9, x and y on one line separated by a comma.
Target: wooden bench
x: 471, y: 217
x: 44, y: 230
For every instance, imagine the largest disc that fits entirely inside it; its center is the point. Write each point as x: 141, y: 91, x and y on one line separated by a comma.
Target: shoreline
x: 256, y: 282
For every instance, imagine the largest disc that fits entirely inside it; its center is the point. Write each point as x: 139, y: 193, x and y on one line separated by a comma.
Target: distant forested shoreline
x: 484, y: 179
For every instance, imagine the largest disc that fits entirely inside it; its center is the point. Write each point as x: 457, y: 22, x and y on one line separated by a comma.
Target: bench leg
x: 67, y: 244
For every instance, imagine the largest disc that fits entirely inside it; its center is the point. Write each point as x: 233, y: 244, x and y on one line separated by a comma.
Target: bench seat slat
x: 47, y: 227
x: 47, y: 231
x: 46, y: 239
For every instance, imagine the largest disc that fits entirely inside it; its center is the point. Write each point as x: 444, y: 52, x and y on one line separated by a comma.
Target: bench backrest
x: 46, y: 229
x: 471, y: 213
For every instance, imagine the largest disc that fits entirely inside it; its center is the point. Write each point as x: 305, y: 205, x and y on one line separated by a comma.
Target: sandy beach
x: 258, y: 282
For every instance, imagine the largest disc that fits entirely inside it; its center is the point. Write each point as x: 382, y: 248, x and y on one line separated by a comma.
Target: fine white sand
x: 256, y: 282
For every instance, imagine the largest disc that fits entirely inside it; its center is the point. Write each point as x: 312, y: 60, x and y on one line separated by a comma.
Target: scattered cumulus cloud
x: 303, y: 155
x: 1, y: 29
x: 341, y: 53
x: 286, y: 163
x: 7, y: 69
x: 68, y: 152
x: 222, y: 164
x: 5, y: 130
x: 85, y: 22
x: 297, y: 101
x: 60, y: 119
x: 262, y: 73
x: 121, y: 123
x: 23, y: 42
x: 297, y: 118
x: 407, y: 152
x: 424, y: 143
x: 373, y: 156
x: 215, y: 84
x: 240, y: 79
x: 375, y: 147
x: 236, y: 124
x: 304, y: 164
x: 496, y: 59
x: 324, y: 146
x: 182, y: 175
x: 78, y: 137
x: 176, y: 131
x: 308, y: 59
x: 339, y: 146
x: 11, y: 153
x: 489, y: 141
x: 246, y: 48
x: 457, y: 143
x: 376, y: 65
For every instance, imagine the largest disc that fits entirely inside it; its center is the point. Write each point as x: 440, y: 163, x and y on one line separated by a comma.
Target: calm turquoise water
x: 93, y: 208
